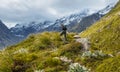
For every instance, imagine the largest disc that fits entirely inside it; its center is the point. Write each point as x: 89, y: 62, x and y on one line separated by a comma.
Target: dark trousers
x: 65, y: 34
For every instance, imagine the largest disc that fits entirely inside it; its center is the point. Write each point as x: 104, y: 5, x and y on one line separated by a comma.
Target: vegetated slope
x: 105, y: 35
x: 45, y: 51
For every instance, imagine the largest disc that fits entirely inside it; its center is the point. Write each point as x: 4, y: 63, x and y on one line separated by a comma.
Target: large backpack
x: 64, y: 28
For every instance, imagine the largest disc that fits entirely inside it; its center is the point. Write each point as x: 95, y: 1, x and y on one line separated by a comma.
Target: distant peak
x: 107, y: 9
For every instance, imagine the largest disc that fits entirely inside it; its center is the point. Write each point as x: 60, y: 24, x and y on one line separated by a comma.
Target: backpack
x: 64, y: 28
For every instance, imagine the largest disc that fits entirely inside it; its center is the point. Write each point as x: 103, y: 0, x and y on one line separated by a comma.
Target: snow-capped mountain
x: 107, y: 9
x: 91, y: 19
x: 24, y: 29
x: 75, y: 22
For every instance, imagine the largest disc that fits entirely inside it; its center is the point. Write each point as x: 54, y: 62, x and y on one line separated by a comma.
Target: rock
x: 84, y: 41
x: 118, y: 53
x: 76, y: 36
x: 110, y: 55
x: 65, y: 59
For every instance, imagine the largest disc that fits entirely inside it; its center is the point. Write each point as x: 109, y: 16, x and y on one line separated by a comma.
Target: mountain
x: 78, y: 22
x: 24, y: 29
x: 75, y: 22
x: 47, y: 52
x: 6, y: 37
x: 85, y: 22
x: 91, y: 19
x: 33, y: 27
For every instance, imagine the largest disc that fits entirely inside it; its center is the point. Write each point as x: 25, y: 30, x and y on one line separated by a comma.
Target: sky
x: 19, y: 11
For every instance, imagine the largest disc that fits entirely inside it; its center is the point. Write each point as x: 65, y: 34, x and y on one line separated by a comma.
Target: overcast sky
x: 17, y: 11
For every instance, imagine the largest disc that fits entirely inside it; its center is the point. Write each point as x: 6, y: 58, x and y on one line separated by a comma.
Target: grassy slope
x: 105, y: 35
x: 39, y: 52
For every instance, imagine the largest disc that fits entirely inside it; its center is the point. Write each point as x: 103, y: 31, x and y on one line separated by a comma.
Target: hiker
x: 64, y: 29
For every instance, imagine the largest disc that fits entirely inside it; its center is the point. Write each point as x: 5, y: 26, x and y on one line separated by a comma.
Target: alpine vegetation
x: 76, y: 67
x: 93, y: 54
x: 96, y: 49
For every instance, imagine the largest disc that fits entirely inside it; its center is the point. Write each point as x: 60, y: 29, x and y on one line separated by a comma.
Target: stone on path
x: 85, y: 42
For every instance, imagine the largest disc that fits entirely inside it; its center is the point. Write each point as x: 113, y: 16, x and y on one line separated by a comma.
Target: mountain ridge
x: 6, y: 37
x: 75, y: 22
x: 46, y: 52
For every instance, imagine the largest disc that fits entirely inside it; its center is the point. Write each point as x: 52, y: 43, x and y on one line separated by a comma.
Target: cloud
x: 15, y: 11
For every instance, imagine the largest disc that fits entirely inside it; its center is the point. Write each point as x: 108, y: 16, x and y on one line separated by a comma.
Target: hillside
x: 40, y: 52
x: 85, y: 23
x: 105, y: 35
x: 46, y: 52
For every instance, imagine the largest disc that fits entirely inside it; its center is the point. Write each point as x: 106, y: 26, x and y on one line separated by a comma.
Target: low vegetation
x: 105, y: 35
x: 41, y: 52
x: 46, y: 52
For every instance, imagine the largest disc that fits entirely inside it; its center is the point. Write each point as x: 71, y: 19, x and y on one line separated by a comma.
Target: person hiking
x: 64, y: 29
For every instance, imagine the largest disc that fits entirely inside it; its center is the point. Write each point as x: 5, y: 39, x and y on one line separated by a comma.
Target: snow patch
x: 107, y: 9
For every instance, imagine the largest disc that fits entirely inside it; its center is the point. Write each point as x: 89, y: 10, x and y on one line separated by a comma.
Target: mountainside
x: 85, y: 23
x: 47, y: 52
x: 23, y: 30
x: 105, y: 35
x: 76, y: 22
x: 106, y: 32
x: 91, y: 19
x: 69, y: 21
x: 6, y: 38
x: 38, y: 52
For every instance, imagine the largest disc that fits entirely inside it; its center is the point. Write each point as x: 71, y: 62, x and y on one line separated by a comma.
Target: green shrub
x: 19, y: 66
x: 55, y: 69
x: 31, y: 57
x: 71, y: 49
x: 51, y: 69
x: 41, y: 65
x: 6, y: 62
x: 29, y: 70
x: 53, y: 62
